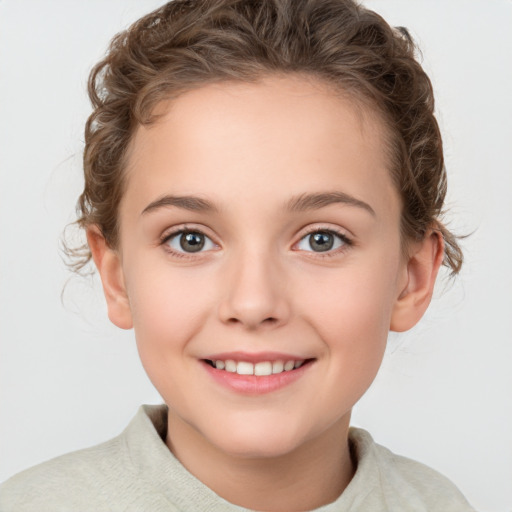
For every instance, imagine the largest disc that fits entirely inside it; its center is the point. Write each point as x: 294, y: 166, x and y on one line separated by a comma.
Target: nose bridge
x: 255, y: 288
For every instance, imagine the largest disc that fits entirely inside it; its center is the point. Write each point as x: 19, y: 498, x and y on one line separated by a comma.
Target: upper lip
x: 255, y: 357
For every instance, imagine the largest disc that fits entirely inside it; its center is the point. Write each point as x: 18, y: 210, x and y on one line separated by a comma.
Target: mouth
x: 259, y: 369
x: 260, y: 376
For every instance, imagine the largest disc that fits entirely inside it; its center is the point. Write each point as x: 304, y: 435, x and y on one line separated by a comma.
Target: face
x: 260, y: 230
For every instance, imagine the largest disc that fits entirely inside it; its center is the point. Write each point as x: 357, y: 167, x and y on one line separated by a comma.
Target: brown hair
x: 188, y: 43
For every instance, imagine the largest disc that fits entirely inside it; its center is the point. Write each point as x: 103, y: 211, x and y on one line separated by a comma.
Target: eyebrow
x: 300, y: 203
x: 305, y: 202
x: 192, y: 203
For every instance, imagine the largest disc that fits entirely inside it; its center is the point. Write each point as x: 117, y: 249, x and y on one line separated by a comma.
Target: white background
x: 68, y: 379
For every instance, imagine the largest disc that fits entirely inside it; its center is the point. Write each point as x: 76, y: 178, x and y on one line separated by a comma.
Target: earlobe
x: 421, y: 271
x: 109, y: 267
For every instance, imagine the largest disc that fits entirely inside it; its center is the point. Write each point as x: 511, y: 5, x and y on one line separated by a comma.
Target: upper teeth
x: 262, y: 368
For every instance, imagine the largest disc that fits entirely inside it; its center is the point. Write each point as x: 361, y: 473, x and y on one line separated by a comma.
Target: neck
x: 312, y: 475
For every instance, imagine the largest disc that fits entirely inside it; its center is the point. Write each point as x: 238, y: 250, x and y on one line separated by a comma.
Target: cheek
x: 351, y: 312
x: 168, y: 309
x: 354, y: 335
x: 355, y: 299
x: 168, y: 305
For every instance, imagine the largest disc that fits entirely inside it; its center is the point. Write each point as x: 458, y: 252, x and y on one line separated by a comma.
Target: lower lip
x: 256, y: 385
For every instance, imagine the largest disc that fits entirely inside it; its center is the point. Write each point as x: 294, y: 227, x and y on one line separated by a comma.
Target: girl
x: 264, y: 184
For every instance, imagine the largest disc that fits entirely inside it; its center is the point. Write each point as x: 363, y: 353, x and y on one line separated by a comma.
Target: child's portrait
x: 255, y: 256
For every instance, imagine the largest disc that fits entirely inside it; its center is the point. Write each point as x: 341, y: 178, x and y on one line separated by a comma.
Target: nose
x: 255, y: 292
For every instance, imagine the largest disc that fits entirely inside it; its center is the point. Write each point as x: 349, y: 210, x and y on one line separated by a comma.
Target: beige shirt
x: 136, y: 472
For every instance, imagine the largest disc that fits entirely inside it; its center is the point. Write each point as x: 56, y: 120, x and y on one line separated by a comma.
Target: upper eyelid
x: 346, y: 238
x: 185, y: 228
x: 342, y: 233
x: 313, y: 229
x: 322, y: 229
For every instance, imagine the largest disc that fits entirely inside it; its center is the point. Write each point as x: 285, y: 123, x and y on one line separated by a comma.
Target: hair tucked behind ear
x: 189, y: 43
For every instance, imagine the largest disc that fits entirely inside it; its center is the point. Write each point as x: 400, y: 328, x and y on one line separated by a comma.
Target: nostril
x: 270, y: 321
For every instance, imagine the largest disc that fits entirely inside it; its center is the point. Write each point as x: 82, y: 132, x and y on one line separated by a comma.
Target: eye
x: 322, y: 240
x: 188, y: 241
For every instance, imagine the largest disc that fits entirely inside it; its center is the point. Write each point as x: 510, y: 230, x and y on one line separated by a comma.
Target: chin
x: 258, y: 439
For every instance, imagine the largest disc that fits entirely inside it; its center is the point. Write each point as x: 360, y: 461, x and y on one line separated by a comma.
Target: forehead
x: 276, y: 137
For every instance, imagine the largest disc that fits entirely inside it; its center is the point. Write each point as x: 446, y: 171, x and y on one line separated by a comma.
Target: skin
x: 259, y: 284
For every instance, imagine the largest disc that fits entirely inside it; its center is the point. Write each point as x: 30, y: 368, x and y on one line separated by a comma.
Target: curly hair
x: 187, y: 44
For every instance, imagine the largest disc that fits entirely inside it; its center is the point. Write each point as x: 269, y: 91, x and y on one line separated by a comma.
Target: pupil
x: 321, y: 241
x: 192, y: 242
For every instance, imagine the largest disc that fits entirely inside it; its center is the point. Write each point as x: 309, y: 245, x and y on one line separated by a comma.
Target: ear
x: 109, y: 267
x: 420, y: 276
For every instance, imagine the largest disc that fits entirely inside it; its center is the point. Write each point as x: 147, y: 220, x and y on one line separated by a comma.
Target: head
x: 269, y: 132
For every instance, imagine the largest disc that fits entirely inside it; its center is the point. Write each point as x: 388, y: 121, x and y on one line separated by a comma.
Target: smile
x: 262, y: 368
x: 262, y: 375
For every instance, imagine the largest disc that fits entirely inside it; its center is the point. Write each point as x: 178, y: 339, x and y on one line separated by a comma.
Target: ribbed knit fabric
x: 136, y: 472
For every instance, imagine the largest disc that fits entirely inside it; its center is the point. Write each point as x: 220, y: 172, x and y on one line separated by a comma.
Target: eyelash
x: 347, y: 242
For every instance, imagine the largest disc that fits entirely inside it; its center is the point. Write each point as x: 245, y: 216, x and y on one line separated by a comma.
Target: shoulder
x: 65, y: 481
x: 403, y: 482
x: 107, y: 477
